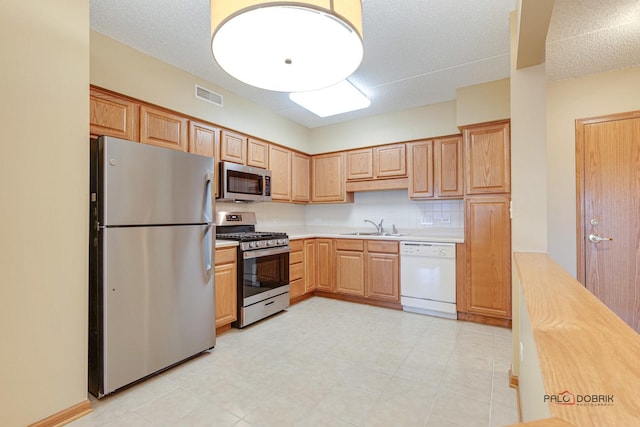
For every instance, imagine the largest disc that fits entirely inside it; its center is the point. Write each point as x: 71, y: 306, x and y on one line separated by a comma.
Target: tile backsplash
x: 392, y: 206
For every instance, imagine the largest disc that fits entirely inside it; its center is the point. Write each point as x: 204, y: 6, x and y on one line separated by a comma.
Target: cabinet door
x: 359, y: 164
x: 203, y: 138
x: 300, y: 174
x: 162, y: 128
x: 280, y: 165
x: 350, y: 272
x: 233, y: 147
x: 448, y: 167
x: 327, y: 180
x: 225, y: 284
x: 310, y: 262
x: 325, y: 273
x: 383, y: 276
x: 112, y: 116
x: 487, y: 158
x: 390, y: 161
x: 257, y: 153
x: 488, y: 256
x: 421, y: 170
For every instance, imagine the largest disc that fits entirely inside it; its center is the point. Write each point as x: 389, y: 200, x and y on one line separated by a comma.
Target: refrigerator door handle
x: 211, y: 228
x: 208, y: 249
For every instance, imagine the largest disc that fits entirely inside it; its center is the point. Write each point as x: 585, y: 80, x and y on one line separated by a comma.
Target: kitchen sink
x: 374, y: 233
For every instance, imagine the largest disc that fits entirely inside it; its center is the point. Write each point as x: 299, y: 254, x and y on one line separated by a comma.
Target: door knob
x: 596, y: 238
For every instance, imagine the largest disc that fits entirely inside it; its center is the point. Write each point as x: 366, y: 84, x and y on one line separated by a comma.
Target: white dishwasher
x: 428, y: 278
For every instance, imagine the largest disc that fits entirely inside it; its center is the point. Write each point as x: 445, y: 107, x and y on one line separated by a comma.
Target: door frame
x: 580, y: 185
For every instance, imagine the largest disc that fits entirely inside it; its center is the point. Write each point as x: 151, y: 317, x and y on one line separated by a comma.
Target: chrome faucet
x: 377, y: 226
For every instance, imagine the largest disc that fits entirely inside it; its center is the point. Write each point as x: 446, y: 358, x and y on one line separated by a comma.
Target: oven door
x: 265, y: 273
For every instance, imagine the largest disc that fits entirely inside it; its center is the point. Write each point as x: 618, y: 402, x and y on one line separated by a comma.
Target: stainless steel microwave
x: 244, y: 183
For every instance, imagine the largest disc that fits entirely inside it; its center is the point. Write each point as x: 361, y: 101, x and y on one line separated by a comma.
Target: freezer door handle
x: 211, y: 228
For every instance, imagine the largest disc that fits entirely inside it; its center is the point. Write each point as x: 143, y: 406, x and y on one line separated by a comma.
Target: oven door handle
x: 266, y: 252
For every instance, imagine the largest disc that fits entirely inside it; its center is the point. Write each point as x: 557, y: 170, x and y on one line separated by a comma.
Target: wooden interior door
x: 608, y: 173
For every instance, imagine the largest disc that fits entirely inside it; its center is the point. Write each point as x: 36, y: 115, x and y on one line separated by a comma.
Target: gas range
x: 263, y: 266
x: 255, y: 239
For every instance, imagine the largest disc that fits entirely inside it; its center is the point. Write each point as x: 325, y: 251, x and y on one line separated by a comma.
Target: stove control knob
x: 271, y: 243
x: 252, y: 244
x: 281, y: 241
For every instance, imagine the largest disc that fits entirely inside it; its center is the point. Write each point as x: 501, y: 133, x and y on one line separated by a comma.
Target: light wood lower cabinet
x: 225, y: 286
x: 368, y: 268
x: 310, y: 262
x: 325, y: 273
x: 383, y: 270
x: 487, y: 284
x: 350, y: 266
x: 296, y: 269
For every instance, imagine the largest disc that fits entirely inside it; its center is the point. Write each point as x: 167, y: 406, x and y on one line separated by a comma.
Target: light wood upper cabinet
x: 325, y: 273
x: 387, y: 161
x: 203, y: 138
x: 390, y: 161
x: 359, y: 164
x: 257, y: 153
x: 488, y: 256
x: 280, y: 165
x: 162, y: 128
x: 487, y: 158
x: 226, y: 289
x: 435, y: 168
x: 448, y: 161
x: 421, y: 170
x: 233, y: 147
x: 328, y: 179
x: 112, y: 115
x: 300, y: 178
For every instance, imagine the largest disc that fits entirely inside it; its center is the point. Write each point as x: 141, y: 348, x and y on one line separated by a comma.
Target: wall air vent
x: 208, y: 95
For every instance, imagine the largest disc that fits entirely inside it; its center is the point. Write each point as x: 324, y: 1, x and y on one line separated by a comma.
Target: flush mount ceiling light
x: 287, y: 46
x: 337, y: 99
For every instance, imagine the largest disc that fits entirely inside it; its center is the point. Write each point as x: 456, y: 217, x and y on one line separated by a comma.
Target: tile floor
x: 331, y: 363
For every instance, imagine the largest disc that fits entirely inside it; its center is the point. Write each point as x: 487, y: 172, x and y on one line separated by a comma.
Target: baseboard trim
x: 487, y: 320
x: 222, y: 329
x: 301, y: 298
x: 65, y: 416
x: 359, y: 300
x: 513, y: 380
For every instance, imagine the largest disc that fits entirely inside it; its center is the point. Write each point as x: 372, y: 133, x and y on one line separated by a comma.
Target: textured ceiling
x: 417, y: 52
x: 592, y: 36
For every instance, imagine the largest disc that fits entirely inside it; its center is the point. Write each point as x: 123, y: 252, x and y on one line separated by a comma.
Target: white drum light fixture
x: 287, y: 46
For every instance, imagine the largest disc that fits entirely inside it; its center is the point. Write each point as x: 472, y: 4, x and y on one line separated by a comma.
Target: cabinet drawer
x: 350, y: 244
x: 225, y: 256
x: 296, y: 288
x: 296, y: 245
x: 382, y: 247
x: 296, y: 271
x: 296, y: 257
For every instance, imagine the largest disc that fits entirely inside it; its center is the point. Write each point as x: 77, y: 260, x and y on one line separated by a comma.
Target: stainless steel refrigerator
x: 152, y: 239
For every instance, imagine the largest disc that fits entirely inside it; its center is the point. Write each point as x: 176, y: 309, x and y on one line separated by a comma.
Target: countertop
x: 225, y: 243
x: 437, y: 235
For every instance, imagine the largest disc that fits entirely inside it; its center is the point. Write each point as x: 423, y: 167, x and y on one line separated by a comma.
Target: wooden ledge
x: 582, y: 346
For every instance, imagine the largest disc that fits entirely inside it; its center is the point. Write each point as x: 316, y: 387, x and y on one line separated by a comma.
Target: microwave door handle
x: 211, y: 228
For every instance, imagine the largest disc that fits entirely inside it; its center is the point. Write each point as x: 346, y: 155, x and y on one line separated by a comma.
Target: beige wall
x: 128, y: 71
x: 568, y: 100
x: 417, y: 123
x: 44, y: 187
x: 483, y: 102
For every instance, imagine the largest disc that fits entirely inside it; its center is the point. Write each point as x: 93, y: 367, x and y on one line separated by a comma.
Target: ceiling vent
x: 208, y: 95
